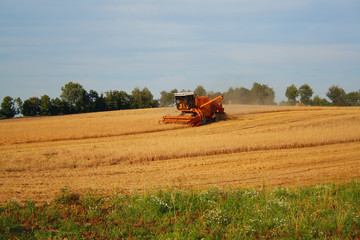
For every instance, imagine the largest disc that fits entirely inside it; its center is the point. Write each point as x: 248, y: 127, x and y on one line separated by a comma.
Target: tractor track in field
x: 291, y: 167
x: 91, y: 137
x: 238, y: 150
x: 127, y: 160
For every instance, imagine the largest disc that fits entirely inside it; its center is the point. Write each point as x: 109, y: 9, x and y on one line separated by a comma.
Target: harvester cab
x: 195, y: 110
x: 185, y: 101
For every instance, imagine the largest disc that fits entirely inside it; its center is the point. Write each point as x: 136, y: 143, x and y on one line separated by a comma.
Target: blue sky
x: 167, y: 44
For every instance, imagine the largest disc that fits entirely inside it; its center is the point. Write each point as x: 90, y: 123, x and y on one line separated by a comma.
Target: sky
x: 166, y: 44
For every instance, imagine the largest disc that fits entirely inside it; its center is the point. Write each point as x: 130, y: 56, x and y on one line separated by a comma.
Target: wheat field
x: 129, y: 151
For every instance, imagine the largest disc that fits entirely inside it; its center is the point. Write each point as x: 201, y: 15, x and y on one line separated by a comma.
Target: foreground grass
x: 322, y: 211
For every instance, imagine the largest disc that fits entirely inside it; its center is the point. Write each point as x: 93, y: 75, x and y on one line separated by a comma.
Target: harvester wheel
x: 214, y: 118
x: 204, y: 120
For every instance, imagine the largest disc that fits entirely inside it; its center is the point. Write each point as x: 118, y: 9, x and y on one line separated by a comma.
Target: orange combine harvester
x: 195, y: 110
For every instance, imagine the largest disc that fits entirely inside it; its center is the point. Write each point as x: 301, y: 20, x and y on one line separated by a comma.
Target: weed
x: 322, y: 211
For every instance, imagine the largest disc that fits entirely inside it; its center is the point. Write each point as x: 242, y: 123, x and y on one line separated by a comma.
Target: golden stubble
x: 124, y: 142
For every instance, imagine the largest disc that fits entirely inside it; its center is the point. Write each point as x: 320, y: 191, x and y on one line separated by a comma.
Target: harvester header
x: 195, y: 110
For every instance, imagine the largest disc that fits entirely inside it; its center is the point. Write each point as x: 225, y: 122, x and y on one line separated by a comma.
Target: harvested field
x: 128, y: 151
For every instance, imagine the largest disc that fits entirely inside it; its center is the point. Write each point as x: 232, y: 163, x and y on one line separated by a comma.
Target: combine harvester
x: 196, y: 110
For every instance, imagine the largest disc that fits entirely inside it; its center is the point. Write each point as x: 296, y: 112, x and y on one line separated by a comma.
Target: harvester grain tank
x: 195, y: 110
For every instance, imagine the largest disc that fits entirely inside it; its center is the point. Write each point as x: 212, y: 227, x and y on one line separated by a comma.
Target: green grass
x: 318, y: 212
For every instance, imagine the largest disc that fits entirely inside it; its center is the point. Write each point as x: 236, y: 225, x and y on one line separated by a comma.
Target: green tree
x: 352, y: 99
x: 31, y: 107
x: 183, y: 90
x: 97, y: 103
x: 284, y: 103
x: 244, y: 95
x: 229, y: 96
x: 306, y: 93
x: 100, y: 104
x: 137, y: 98
x: 117, y: 100
x: 167, y: 98
x: 200, y: 91
x: 237, y: 96
x: 45, y: 105
x: 59, y: 107
x: 93, y: 96
x: 213, y: 94
x: 76, y: 96
x: 318, y: 101
x: 143, y: 98
x: 292, y: 93
x: 8, y: 109
x: 83, y: 104
x: 18, y: 105
x: 262, y: 94
x: 56, y: 106
x: 337, y: 95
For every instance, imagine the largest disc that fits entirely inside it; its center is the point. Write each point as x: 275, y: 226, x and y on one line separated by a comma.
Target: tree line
x: 262, y: 94
x: 75, y: 99
x: 335, y: 93
x: 259, y: 94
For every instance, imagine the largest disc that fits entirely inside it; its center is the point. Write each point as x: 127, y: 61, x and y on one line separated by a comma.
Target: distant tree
x: 117, y: 100
x: 56, y: 108
x: 45, y: 105
x: 318, y: 101
x: 337, y: 95
x: 76, y: 96
x: 284, y: 103
x: 244, y: 95
x: 101, y: 105
x: 262, y: 94
x: 172, y: 92
x: 97, y: 103
x: 167, y: 98
x: 31, y: 107
x: 237, y: 96
x: 59, y: 107
x: 229, y: 96
x: 200, y: 91
x: 8, y: 109
x: 93, y: 96
x: 213, y: 94
x: 352, y: 99
x: 155, y: 103
x: 183, y: 90
x: 138, y: 99
x: 71, y: 92
x: 83, y: 105
x: 306, y: 93
x: 292, y: 93
x: 110, y: 101
x: 143, y: 98
x: 18, y: 105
